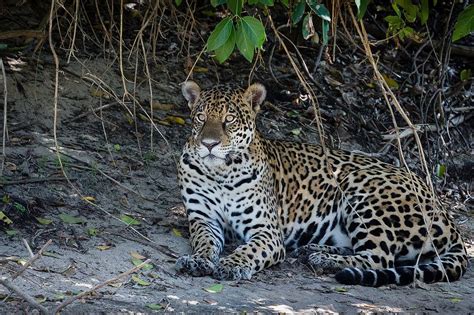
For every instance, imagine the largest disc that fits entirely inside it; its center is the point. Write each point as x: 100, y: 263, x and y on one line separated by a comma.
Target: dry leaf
x: 200, y: 69
x: 96, y: 92
x: 160, y: 106
x: 175, y: 120
x: 137, y: 255
x: 103, y: 247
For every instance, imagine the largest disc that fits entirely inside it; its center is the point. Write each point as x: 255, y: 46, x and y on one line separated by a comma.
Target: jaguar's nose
x: 210, y: 143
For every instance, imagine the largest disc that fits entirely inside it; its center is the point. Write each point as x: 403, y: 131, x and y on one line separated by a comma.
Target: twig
x: 5, y: 98
x: 28, y: 248
x: 270, y: 67
x: 100, y: 285
x: 32, y: 260
x: 168, y: 252
x: 318, y: 59
x: 95, y: 110
x: 13, y: 288
x: 32, y: 181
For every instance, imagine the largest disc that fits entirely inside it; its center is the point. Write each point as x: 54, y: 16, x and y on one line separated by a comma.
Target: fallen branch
x: 100, y: 285
x: 22, y: 33
x: 31, y: 181
x: 31, y: 300
x: 405, y: 132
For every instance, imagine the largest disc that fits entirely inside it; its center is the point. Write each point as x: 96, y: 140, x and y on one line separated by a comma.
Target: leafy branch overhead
x: 246, y: 33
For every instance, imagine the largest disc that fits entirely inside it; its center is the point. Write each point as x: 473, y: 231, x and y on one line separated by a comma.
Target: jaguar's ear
x: 191, y: 91
x: 256, y: 94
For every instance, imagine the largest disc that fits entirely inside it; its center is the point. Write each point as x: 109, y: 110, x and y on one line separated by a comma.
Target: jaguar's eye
x: 200, y: 117
x: 230, y: 118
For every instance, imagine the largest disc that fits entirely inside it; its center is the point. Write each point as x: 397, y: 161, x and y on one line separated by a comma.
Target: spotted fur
x: 341, y: 212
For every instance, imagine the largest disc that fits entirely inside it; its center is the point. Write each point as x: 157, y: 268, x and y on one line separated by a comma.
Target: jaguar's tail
x: 449, y: 266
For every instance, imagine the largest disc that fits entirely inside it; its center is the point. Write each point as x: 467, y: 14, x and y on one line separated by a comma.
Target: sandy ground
x: 122, y: 174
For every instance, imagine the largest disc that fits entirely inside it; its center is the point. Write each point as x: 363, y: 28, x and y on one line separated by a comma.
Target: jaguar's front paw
x: 195, y: 265
x: 229, y: 270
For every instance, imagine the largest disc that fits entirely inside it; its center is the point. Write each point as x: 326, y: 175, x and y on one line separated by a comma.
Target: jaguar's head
x: 223, y: 119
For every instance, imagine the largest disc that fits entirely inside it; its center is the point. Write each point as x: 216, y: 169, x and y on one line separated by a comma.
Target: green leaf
x: 3, y: 46
x: 178, y: 2
x: 154, y: 306
x: 340, y: 289
x: 216, y: 288
x: 220, y: 34
x: 308, y: 27
x: 140, y: 281
x: 286, y: 3
x: 43, y: 221
x: 455, y: 300
x: 298, y: 12
x: 361, y: 8
x: 177, y: 232
x: 406, y: 32
x: 409, y: 9
x: 129, y: 220
x: 465, y: 23
x: 396, y: 9
x: 319, y: 9
x: 6, y: 199
x: 325, y: 31
x: 255, y: 29
x: 269, y: 3
x: 19, y: 207
x: 243, y: 41
x: 425, y: 11
x: 215, y: 3
x: 296, y: 131
x: 137, y: 262
x: 11, y: 232
x: 92, y: 231
x: 392, y: 84
x: 235, y: 6
x: 394, y: 22
x: 67, y: 218
x: 465, y: 74
x: 117, y: 147
x: 223, y: 52
x: 4, y: 218
x: 440, y: 170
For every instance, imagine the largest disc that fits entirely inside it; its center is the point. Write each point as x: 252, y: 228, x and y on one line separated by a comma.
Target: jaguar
x: 367, y: 221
